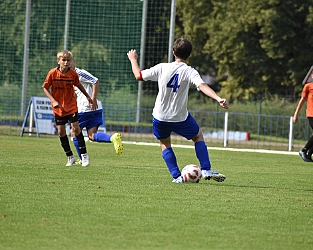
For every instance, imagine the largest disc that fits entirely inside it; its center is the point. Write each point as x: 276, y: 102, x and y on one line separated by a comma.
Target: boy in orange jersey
x: 307, y: 96
x: 61, y: 81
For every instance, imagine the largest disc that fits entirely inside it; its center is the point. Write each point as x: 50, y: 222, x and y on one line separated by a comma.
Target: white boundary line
x: 216, y: 148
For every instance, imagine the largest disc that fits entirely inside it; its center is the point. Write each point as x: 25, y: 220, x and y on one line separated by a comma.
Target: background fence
x: 99, y: 33
x: 250, y: 131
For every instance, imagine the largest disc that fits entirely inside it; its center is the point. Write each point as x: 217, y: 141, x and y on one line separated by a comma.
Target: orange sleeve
x: 307, y: 93
x: 48, y: 81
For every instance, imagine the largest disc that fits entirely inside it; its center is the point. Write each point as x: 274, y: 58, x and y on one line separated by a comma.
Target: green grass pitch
x: 129, y: 202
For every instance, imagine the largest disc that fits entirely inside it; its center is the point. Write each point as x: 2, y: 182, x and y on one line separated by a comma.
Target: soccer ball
x: 191, y: 173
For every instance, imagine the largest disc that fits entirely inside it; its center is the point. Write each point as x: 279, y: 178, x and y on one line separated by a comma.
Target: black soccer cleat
x: 304, y: 156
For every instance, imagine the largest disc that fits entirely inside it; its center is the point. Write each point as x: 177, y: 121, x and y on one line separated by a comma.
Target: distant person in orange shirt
x: 307, y: 96
x: 59, y: 88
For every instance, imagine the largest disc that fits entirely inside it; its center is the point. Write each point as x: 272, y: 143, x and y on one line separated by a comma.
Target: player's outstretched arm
x: 132, y: 56
x: 211, y: 93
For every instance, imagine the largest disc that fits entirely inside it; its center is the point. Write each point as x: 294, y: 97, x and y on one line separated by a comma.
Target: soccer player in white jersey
x: 91, y: 117
x: 170, y: 112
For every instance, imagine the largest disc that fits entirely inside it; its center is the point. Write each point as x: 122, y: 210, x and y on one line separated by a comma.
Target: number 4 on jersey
x: 173, y: 83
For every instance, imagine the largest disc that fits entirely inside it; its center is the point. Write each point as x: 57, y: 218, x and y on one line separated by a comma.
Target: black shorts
x: 65, y: 119
x: 310, y: 121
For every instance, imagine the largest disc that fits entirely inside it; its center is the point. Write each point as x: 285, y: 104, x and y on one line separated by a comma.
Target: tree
x: 12, y: 37
x: 191, y: 22
x: 259, y: 47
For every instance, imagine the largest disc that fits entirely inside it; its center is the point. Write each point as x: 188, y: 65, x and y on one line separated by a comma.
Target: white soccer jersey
x: 87, y: 80
x: 174, y: 80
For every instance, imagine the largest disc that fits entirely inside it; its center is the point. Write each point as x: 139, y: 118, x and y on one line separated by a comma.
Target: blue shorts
x: 188, y: 128
x: 90, y: 119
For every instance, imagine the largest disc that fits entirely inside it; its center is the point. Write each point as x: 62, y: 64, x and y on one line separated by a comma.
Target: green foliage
x: 273, y: 105
x: 191, y: 22
x: 129, y: 201
x: 253, y: 48
x: 121, y: 105
x: 118, y: 97
x: 100, y: 33
x: 259, y: 47
x: 11, y: 33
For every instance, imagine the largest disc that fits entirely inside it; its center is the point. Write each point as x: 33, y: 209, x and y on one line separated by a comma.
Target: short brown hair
x: 182, y: 48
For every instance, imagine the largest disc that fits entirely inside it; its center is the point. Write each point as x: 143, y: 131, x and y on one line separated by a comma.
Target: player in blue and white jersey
x: 170, y: 112
x: 91, y: 117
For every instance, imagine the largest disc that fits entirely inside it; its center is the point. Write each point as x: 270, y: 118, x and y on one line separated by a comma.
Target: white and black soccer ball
x: 191, y: 173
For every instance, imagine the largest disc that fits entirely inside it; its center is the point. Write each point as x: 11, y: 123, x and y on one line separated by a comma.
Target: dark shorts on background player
x: 65, y: 119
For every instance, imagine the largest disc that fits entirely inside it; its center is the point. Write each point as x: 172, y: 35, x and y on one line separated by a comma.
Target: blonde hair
x: 66, y: 54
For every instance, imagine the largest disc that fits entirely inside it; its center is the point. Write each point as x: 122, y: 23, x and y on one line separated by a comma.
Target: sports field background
x: 129, y: 201
x: 100, y: 33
